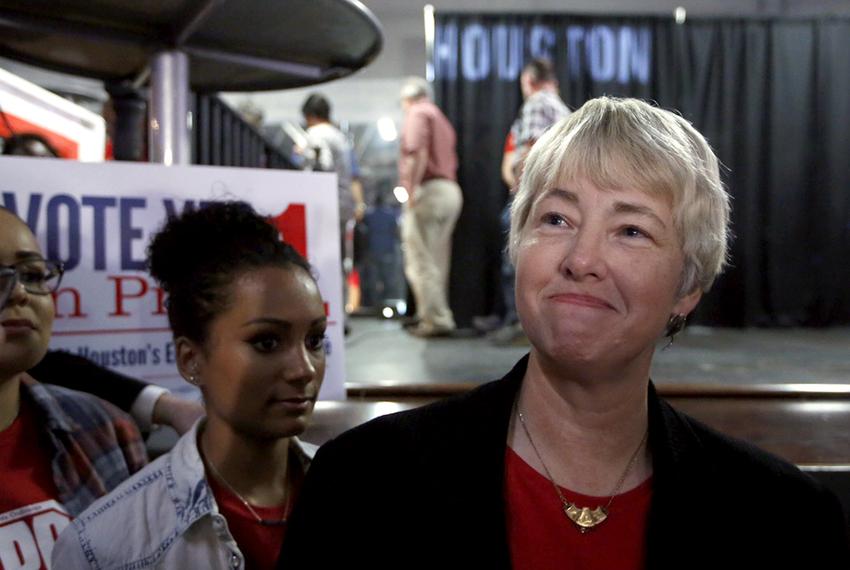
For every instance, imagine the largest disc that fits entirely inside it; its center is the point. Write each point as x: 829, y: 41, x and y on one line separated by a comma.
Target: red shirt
x: 31, y: 517
x: 260, y: 544
x: 542, y: 537
x: 425, y: 126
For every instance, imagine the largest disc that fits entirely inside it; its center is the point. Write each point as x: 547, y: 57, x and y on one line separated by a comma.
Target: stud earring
x: 193, y: 376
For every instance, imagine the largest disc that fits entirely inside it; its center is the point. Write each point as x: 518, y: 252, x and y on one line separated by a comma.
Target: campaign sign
x: 98, y: 219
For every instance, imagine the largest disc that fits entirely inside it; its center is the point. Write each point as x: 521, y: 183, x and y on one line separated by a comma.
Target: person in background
x: 572, y: 460
x: 357, y: 188
x: 352, y: 261
x: 506, y: 169
x: 542, y: 108
x: 148, y: 404
x: 428, y: 170
x: 59, y: 449
x: 249, y: 331
x: 381, y: 273
x: 333, y: 154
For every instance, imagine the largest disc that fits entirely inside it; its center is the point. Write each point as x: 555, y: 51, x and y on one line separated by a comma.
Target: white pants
x: 426, y: 234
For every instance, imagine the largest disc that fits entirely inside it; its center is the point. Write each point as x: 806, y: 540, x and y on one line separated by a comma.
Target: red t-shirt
x: 31, y: 517
x: 542, y: 537
x: 260, y: 544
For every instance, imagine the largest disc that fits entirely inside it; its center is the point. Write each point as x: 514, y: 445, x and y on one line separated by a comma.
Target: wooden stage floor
x: 380, y: 351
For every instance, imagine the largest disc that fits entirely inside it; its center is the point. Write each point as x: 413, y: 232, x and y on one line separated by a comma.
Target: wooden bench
x: 807, y: 424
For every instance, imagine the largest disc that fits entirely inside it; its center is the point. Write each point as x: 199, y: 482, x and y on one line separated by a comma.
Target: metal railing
x: 222, y: 138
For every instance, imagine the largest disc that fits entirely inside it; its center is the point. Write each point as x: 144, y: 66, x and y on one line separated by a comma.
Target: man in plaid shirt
x: 542, y: 108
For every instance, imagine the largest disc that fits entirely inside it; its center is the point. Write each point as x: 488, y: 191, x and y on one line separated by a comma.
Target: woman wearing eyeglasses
x: 59, y: 449
x: 8, y: 279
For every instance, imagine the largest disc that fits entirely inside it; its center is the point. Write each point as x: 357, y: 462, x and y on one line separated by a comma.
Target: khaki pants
x: 426, y: 235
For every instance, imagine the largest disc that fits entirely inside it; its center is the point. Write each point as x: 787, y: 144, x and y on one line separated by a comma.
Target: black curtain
x: 771, y: 96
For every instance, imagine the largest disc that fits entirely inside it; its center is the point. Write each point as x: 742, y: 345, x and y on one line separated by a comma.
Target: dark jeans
x: 381, y: 279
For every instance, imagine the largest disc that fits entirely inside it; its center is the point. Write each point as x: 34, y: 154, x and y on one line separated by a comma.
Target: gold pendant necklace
x: 584, y: 518
x: 258, y: 518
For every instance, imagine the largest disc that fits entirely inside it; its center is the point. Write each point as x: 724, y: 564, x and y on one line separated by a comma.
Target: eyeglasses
x: 8, y: 280
x: 38, y: 276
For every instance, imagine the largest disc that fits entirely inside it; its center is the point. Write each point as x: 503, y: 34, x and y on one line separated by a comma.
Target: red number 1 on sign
x: 292, y: 225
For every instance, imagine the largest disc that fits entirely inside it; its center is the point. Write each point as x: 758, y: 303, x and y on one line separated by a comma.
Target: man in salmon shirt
x: 428, y: 170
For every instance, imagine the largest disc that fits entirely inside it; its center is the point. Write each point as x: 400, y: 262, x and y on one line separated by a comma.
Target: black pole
x: 126, y: 122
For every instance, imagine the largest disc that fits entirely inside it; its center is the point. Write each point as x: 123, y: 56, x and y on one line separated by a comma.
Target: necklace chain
x: 259, y: 519
x: 584, y: 518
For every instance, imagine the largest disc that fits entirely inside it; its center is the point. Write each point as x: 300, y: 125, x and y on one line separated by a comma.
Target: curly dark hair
x: 197, y: 255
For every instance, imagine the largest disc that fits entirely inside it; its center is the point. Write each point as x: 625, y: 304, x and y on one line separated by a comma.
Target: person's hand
x: 178, y: 413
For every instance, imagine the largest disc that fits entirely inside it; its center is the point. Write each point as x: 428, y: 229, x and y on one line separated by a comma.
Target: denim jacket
x: 165, y: 516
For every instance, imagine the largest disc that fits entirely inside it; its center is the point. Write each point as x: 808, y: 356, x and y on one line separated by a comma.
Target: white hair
x: 416, y: 88
x: 626, y: 142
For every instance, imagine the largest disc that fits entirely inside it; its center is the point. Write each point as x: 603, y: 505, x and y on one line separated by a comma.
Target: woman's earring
x: 674, y: 326
x: 193, y: 377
